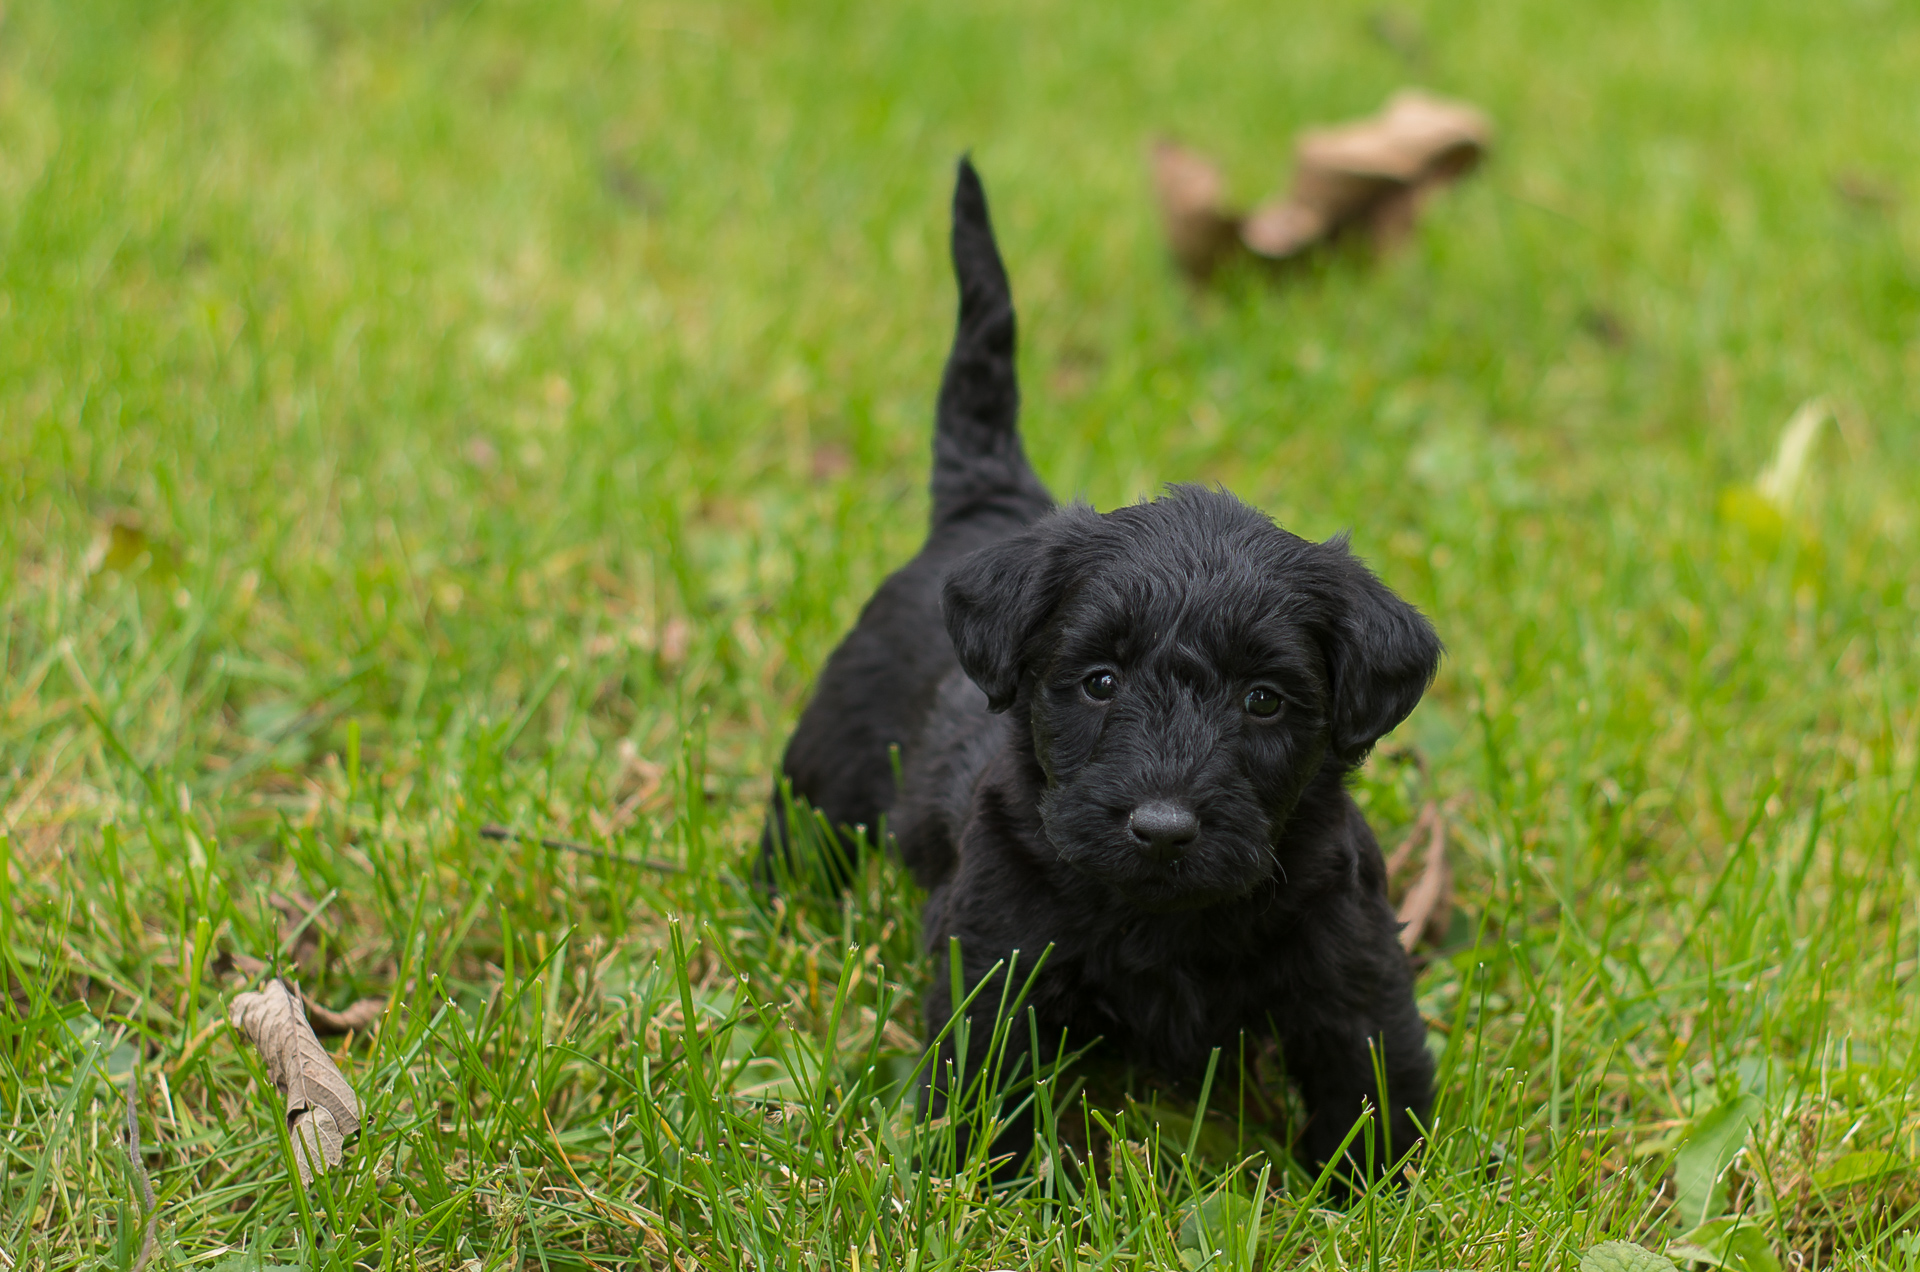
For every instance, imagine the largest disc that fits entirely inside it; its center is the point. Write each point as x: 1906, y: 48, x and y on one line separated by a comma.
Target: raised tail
x: 978, y: 462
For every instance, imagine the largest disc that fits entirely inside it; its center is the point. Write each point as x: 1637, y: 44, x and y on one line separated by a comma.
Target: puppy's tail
x: 978, y: 462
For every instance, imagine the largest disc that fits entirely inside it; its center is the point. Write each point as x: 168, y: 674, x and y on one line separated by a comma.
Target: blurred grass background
x: 420, y: 415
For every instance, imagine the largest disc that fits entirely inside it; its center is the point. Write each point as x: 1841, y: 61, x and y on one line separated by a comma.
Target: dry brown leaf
x: 1372, y: 175
x: 1376, y: 173
x: 358, y: 1018
x: 1280, y: 228
x: 1866, y: 193
x: 829, y: 462
x: 1415, y: 139
x: 1191, y: 188
x: 321, y: 1108
x: 1428, y: 904
x: 674, y: 639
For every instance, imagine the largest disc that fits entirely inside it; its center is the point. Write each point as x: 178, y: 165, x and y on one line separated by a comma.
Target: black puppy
x: 1125, y: 736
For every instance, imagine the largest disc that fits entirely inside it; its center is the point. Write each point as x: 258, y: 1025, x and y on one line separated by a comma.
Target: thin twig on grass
x: 359, y: 1017
x: 493, y: 830
x: 1425, y: 908
x: 139, y: 1165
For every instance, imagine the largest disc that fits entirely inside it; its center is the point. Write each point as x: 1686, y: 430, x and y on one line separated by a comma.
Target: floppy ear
x: 997, y: 600
x: 1381, y: 655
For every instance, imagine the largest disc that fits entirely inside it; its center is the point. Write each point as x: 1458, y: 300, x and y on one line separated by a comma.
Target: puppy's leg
x: 980, y: 1076
x: 1333, y: 1055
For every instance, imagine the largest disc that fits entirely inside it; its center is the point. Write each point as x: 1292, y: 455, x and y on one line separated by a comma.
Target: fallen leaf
x: 1207, y: 1225
x: 1605, y: 326
x: 626, y: 184
x: 1281, y: 228
x: 1373, y: 175
x: 1734, y: 1243
x: 481, y: 453
x: 1781, y: 479
x: 1624, y: 1256
x: 1191, y: 188
x: 1866, y: 193
x: 674, y: 638
x: 321, y: 1108
x: 1428, y: 904
x: 357, y: 1018
x: 1855, y: 1168
x: 121, y: 545
x: 1712, y: 1141
x: 829, y: 462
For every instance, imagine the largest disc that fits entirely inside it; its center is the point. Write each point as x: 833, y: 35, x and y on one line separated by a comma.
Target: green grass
x: 415, y: 416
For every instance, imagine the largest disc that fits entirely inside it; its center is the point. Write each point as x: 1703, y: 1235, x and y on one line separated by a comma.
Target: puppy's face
x: 1178, y: 709
x: 1187, y: 668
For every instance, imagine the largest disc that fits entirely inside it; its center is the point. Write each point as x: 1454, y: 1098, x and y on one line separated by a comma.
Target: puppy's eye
x: 1264, y: 703
x: 1100, y: 686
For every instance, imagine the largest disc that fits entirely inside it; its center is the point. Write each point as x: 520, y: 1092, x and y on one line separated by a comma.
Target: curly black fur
x: 1125, y: 736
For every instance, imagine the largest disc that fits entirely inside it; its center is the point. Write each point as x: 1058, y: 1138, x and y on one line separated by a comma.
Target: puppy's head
x: 1188, y: 668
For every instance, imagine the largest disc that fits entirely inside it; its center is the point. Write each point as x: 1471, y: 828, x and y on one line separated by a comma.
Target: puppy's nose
x: 1164, y: 829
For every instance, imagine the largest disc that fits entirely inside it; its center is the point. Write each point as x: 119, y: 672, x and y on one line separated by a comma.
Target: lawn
x: 417, y: 417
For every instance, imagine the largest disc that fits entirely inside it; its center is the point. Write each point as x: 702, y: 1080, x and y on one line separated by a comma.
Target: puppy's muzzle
x: 1164, y: 829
